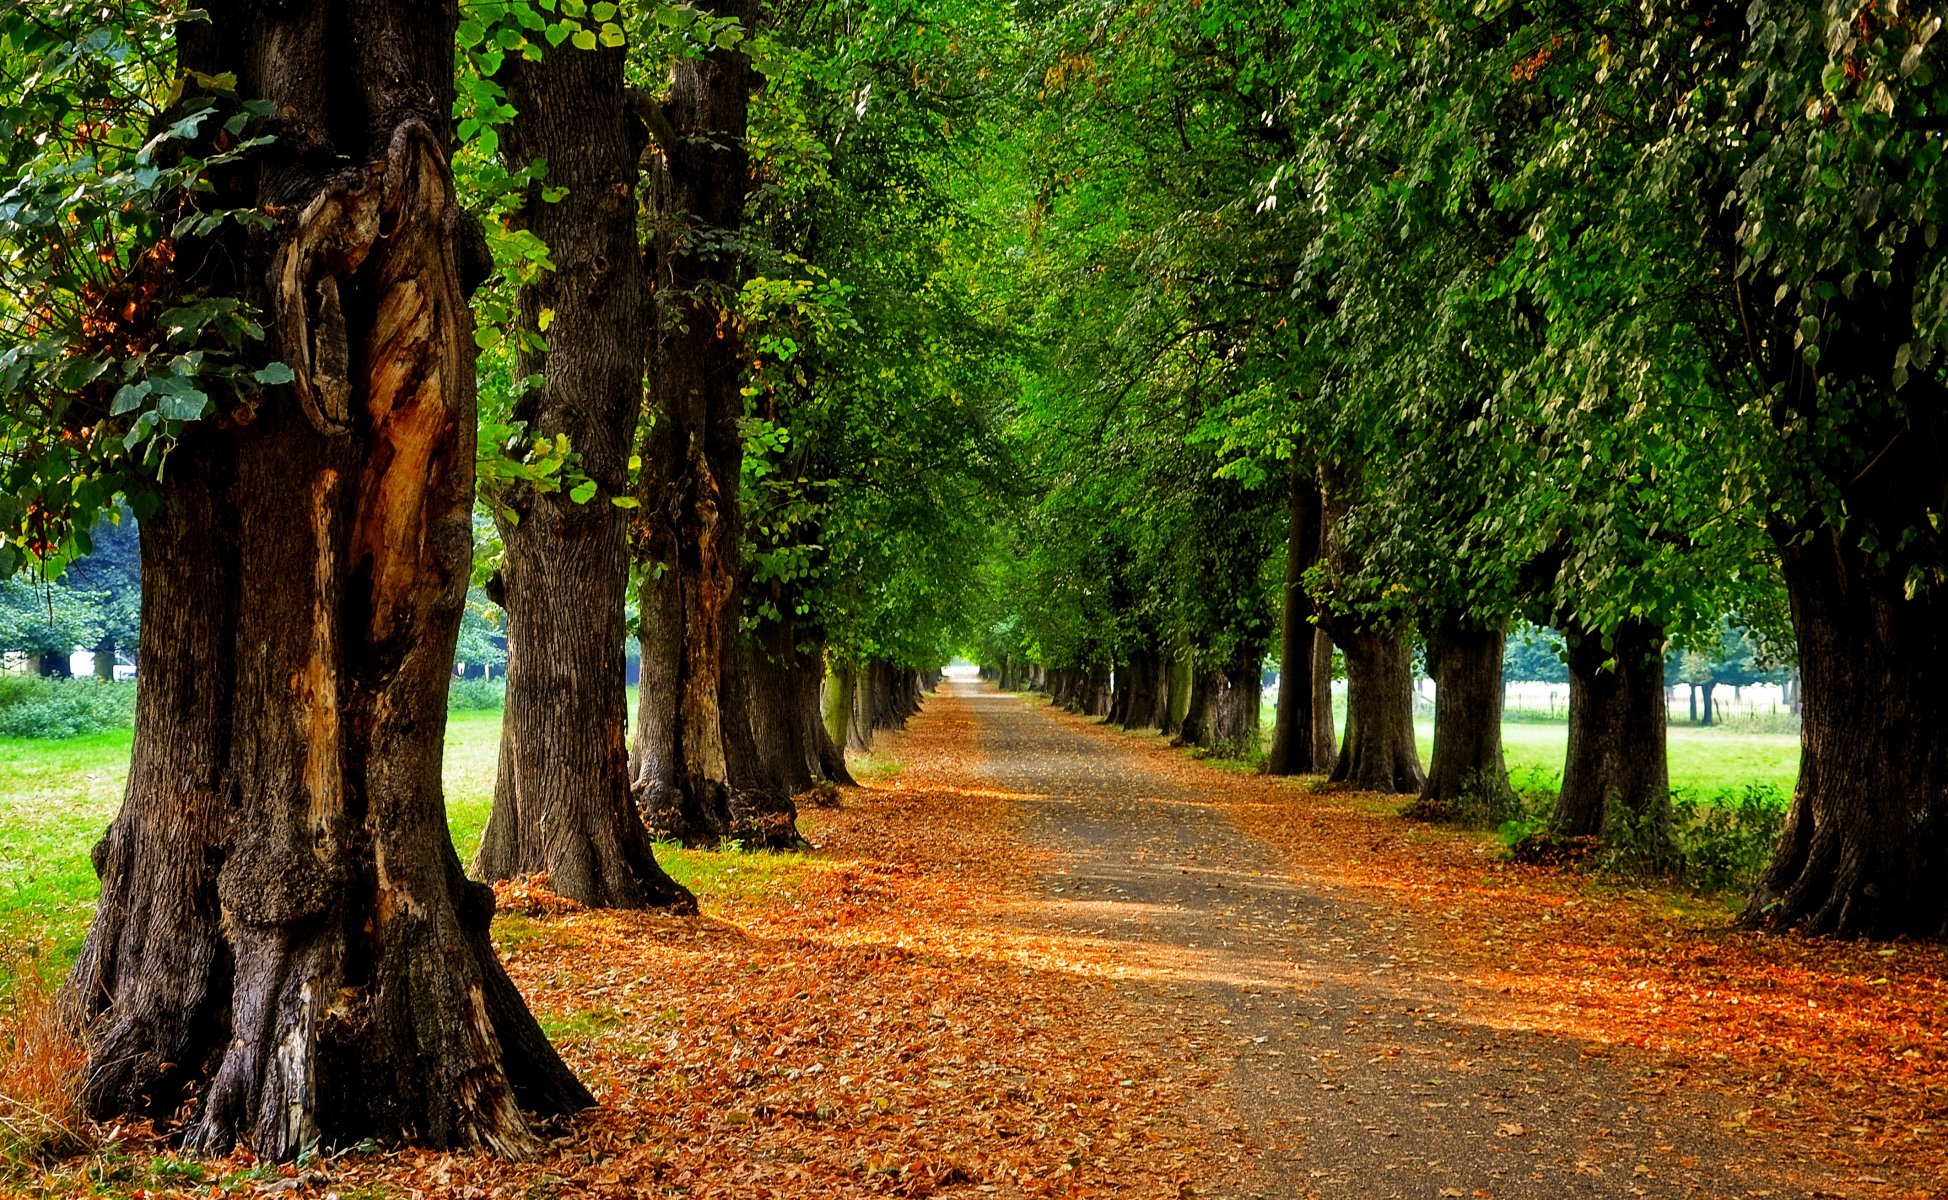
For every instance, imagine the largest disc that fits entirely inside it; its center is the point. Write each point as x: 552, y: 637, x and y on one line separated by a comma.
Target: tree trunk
x: 286, y: 948
x: 1180, y: 683
x: 1865, y: 850
x: 836, y: 699
x: 105, y: 660
x: 1707, y: 688
x: 1693, y: 697
x: 1237, y: 717
x: 562, y: 802
x: 825, y: 759
x: 1143, y: 708
x: 1467, y: 779
x: 1100, y: 698
x: 1121, y: 694
x: 1615, y: 764
x: 768, y: 760
x: 1292, y: 740
x: 1378, y: 754
x: 1325, y: 739
x: 691, y: 719
x: 1199, y: 726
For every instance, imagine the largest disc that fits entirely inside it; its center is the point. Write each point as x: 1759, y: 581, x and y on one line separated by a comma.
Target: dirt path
x: 1038, y: 958
x: 1354, y: 1057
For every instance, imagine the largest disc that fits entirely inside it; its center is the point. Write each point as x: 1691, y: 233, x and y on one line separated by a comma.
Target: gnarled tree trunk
x: 1616, y: 756
x: 286, y: 947
x: 562, y: 800
x: 692, y: 720
x: 1378, y: 754
x: 1467, y: 778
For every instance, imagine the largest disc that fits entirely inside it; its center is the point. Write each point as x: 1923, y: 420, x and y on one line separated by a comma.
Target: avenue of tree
x: 1126, y: 349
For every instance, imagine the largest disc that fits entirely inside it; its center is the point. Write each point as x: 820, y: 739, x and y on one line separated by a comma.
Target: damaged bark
x: 287, y: 952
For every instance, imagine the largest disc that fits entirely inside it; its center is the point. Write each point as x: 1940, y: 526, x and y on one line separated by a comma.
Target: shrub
x: 33, y: 707
x: 1728, y: 839
x: 1715, y: 843
x: 473, y: 695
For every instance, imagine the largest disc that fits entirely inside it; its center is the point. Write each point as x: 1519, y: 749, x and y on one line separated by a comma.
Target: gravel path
x: 1344, y: 1042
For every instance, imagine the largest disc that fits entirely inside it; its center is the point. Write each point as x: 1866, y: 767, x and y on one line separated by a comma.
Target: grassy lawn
x: 56, y: 797
x: 1704, y: 761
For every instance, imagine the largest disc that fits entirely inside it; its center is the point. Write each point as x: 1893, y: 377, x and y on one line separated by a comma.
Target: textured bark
x: 1865, y: 850
x: 1292, y: 727
x: 286, y: 948
x: 693, y: 732
x: 1467, y: 778
x: 562, y: 801
x: 1378, y: 754
x: 1616, y: 756
x: 1325, y: 739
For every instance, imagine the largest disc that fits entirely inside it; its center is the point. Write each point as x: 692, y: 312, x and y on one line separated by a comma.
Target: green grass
x: 56, y: 798
x: 1704, y: 761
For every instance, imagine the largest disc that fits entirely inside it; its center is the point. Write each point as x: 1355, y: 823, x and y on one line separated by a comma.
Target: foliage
x: 114, y: 331
x: 476, y: 695
x: 33, y: 707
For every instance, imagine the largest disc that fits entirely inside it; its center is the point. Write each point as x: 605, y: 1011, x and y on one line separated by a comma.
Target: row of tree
x: 1408, y: 323
x: 667, y: 292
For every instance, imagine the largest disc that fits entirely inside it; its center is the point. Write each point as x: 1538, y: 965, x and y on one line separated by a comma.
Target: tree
x: 286, y: 947
x: 697, y: 771
x: 562, y: 800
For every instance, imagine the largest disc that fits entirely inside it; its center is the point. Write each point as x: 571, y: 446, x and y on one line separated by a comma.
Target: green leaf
x: 129, y: 398
x: 582, y: 492
x: 584, y: 40
x: 274, y: 373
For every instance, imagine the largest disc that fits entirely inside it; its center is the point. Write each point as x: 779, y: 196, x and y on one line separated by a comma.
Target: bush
x: 1716, y: 843
x: 1728, y: 839
x: 33, y: 707
x: 472, y: 695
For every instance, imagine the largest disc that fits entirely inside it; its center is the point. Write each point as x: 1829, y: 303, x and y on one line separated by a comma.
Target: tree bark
x: 562, y: 801
x: 1378, y: 754
x: 1325, y: 739
x: 1292, y: 727
x: 1180, y: 681
x: 1143, y: 707
x: 1616, y: 764
x: 1706, y: 708
x: 1098, y: 698
x: 1467, y: 779
x: 1200, y: 719
x: 286, y: 948
x: 693, y: 730
x: 105, y: 660
x: 1865, y: 850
